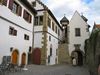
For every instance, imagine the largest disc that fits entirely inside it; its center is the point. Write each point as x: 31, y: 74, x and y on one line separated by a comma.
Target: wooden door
x: 23, y: 61
x: 37, y: 56
x: 15, y: 57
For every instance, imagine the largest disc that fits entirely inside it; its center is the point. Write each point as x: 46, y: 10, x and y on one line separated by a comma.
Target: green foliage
x: 90, y: 45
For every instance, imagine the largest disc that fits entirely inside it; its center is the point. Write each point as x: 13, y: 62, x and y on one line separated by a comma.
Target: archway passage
x: 23, y: 61
x: 14, y: 56
x: 36, y: 56
x: 79, y: 57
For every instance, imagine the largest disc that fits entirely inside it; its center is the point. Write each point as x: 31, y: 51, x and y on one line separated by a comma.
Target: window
x: 50, y: 51
x: 56, y: 52
x: 58, y: 32
x: 36, y: 20
x: 15, y: 32
x: 52, y: 26
x: 30, y: 48
x: 87, y: 29
x: 49, y: 22
x: 48, y: 59
x: 77, y: 32
x: 16, y: 8
x: 26, y: 37
x: 12, y: 31
x: 56, y: 29
x: 27, y: 16
x: 49, y: 38
x: 41, y: 20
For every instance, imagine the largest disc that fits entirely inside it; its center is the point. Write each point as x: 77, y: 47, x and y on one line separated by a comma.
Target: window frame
x: 12, y: 31
x: 77, y: 32
x: 26, y: 37
x: 27, y: 16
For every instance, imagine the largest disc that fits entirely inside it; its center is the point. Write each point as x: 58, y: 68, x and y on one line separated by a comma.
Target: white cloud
x: 68, y: 7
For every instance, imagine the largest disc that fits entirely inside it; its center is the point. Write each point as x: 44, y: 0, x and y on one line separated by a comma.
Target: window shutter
x: 19, y: 12
x: 11, y: 4
x: 4, y: 2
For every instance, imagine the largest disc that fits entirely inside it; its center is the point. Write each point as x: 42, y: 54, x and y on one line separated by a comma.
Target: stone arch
x: 15, y: 57
x: 36, y: 55
x: 78, y: 55
x: 23, y: 59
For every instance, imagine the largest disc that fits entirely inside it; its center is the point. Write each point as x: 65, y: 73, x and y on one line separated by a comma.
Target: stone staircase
x: 63, y: 54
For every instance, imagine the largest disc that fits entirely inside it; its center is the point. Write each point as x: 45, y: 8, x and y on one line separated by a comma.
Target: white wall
x: 17, y: 42
x: 54, y: 43
x: 77, y: 22
x: 38, y: 36
x: 50, y: 32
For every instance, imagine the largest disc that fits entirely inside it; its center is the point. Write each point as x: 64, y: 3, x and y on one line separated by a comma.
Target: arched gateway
x: 23, y: 60
x: 78, y: 55
x: 15, y: 57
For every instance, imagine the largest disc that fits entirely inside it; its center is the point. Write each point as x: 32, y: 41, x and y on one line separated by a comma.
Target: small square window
x: 26, y: 37
x: 12, y: 31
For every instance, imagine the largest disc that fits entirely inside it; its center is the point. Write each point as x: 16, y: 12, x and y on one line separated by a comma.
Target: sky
x: 89, y: 8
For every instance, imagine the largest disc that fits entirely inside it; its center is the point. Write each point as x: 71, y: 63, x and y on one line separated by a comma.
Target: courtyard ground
x: 52, y: 70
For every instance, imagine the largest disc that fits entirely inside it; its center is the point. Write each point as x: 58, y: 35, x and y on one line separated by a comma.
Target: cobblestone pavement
x: 52, y: 70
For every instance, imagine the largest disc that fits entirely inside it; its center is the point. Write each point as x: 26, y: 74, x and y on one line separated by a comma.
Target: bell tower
x: 64, y: 22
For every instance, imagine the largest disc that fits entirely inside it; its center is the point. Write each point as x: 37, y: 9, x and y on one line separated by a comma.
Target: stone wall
x: 63, y: 54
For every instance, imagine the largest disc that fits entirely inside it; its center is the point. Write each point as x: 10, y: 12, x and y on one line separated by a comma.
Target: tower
x: 64, y: 22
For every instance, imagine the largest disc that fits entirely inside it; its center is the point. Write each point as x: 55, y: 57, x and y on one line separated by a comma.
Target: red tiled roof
x: 97, y: 25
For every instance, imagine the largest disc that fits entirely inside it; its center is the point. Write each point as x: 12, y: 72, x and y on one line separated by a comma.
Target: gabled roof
x: 64, y: 19
x: 75, y: 16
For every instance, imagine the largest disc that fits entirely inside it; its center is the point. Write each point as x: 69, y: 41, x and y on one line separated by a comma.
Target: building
x: 47, y: 35
x: 96, y: 27
x: 16, y: 31
x: 77, y: 31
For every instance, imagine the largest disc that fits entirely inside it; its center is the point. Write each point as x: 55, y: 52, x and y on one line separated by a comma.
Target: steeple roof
x: 64, y: 19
